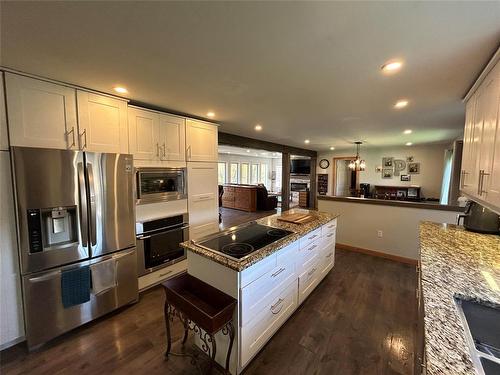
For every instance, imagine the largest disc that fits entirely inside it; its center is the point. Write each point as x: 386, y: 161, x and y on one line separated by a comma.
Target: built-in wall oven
x: 158, y: 242
x: 160, y: 184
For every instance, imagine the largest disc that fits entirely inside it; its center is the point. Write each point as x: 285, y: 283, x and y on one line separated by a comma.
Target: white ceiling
x: 233, y: 150
x: 301, y: 69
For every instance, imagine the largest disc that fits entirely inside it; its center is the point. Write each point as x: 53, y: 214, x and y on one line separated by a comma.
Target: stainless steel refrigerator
x: 76, y: 225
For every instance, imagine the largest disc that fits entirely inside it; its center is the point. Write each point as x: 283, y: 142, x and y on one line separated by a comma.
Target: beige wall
x: 359, y: 223
x: 430, y: 157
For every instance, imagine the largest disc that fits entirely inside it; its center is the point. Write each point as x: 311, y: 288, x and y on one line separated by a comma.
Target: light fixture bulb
x: 332, y: 148
x: 409, y: 143
x: 258, y: 127
x: 408, y: 131
x: 401, y: 104
x: 307, y: 141
x: 392, y: 66
x: 120, y: 90
x: 210, y: 114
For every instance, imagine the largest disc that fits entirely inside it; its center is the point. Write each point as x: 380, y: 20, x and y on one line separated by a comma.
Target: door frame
x: 334, y: 172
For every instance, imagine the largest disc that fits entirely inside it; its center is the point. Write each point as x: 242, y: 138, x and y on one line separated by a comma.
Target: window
x: 222, y: 173
x: 263, y: 174
x: 254, y: 174
x: 277, y: 183
x: 233, y: 173
x: 244, y: 173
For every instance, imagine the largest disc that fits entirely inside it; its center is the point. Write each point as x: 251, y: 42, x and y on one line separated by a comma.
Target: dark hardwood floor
x: 231, y: 217
x: 359, y: 320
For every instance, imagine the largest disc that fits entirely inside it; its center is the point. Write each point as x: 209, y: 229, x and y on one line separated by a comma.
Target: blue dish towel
x: 75, y: 286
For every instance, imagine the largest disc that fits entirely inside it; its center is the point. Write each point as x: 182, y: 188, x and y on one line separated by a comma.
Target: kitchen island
x: 454, y: 263
x: 269, y: 283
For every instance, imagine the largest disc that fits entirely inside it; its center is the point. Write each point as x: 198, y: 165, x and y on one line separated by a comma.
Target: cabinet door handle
x: 84, y: 135
x: 165, y: 273
x: 188, y: 152
x: 310, y: 238
x: 72, y: 132
x: 277, y: 272
x: 164, y: 151
x: 330, y: 235
x: 312, y: 247
x: 280, y: 301
x: 482, y: 173
x: 157, y: 149
x: 329, y: 255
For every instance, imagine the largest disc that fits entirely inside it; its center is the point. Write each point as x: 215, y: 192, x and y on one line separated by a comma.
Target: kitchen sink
x: 482, y: 331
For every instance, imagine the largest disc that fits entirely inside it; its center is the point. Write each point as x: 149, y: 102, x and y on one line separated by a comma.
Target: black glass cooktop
x: 244, y: 240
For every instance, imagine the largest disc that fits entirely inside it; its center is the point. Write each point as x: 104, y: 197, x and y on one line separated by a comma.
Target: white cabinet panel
x: 41, y: 114
x: 201, y: 141
x: 11, y: 323
x: 172, y: 138
x: 4, y: 139
x: 308, y: 280
x: 143, y: 133
x: 203, y: 199
x: 102, y: 123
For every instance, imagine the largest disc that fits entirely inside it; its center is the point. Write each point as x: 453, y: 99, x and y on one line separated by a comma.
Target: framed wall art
x: 413, y: 168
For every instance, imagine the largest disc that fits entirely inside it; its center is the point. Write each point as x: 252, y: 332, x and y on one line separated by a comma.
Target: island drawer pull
x: 278, y: 272
x: 312, y: 247
x: 329, y: 255
x: 311, y: 272
x: 330, y: 234
x: 312, y: 237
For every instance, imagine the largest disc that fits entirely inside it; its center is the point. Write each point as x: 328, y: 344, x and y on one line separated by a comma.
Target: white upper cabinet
x: 41, y: 114
x: 201, y: 141
x: 143, y: 134
x: 481, y: 152
x: 172, y: 138
x: 102, y: 123
x: 4, y: 138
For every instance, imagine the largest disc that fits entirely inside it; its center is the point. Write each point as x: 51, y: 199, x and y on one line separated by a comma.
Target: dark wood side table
x: 201, y: 308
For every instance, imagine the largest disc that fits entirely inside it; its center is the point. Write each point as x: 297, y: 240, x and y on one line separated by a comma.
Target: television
x: 300, y: 166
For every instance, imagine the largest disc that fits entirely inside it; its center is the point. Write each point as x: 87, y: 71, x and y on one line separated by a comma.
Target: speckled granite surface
x: 454, y: 262
x: 299, y: 229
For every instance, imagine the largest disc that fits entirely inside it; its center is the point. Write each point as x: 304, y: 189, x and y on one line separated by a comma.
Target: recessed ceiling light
x: 258, y: 127
x: 121, y: 90
x: 407, y: 131
x: 409, y: 143
x: 210, y: 114
x: 332, y: 148
x: 401, y: 104
x: 307, y: 141
x: 392, y: 66
x: 248, y: 150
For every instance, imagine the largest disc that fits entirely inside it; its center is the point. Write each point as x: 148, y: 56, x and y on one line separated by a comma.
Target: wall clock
x: 323, y: 163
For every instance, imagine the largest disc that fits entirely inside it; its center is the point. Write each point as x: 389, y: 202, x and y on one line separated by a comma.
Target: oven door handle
x: 147, y: 236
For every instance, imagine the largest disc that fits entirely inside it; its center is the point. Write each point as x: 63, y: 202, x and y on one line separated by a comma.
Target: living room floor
x: 232, y: 217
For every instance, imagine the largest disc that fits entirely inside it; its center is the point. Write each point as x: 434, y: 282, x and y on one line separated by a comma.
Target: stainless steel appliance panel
x: 45, y: 315
x: 49, y: 183
x: 160, y: 184
x: 111, y: 202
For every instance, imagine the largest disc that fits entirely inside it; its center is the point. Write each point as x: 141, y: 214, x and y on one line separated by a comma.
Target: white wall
x: 430, y: 157
x: 359, y: 222
x: 271, y: 165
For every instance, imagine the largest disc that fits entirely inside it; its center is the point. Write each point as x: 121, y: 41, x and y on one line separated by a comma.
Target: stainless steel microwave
x: 160, y: 184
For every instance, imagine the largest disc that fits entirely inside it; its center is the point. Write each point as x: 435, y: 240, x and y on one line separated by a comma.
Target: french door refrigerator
x: 76, y: 226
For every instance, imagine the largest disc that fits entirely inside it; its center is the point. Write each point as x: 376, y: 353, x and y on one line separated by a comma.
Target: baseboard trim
x: 379, y: 254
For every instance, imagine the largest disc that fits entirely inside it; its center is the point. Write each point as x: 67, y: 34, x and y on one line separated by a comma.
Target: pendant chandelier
x: 357, y: 164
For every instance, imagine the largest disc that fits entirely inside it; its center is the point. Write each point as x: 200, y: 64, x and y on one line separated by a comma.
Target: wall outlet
x: 380, y: 234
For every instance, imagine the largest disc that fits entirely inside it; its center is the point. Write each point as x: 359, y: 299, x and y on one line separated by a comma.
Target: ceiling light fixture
x: 407, y: 131
x: 409, y: 143
x: 357, y: 164
x: 332, y: 148
x: 210, y: 114
x: 120, y: 90
x: 401, y: 104
x: 248, y: 150
x: 258, y: 127
x: 307, y: 141
x: 392, y: 66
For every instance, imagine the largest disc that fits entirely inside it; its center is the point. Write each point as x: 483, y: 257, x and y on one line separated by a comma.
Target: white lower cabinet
x: 308, y: 280
x: 11, y: 310
x: 264, y: 324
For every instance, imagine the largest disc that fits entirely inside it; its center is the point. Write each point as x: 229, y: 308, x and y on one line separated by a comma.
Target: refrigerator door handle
x: 83, y: 205
x: 93, y: 224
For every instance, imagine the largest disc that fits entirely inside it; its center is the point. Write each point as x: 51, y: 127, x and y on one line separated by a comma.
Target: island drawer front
x: 306, y: 254
x: 328, y: 239
x: 308, y: 281
x: 309, y: 238
x: 267, y: 264
x: 327, y: 261
x: 257, y: 295
x: 255, y: 335
x: 329, y: 227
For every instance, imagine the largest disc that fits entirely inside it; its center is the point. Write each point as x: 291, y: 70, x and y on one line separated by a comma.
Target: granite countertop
x: 299, y: 229
x: 454, y: 262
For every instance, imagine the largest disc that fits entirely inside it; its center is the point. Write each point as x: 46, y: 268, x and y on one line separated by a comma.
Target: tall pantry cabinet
x: 11, y: 311
x: 480, y: 175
